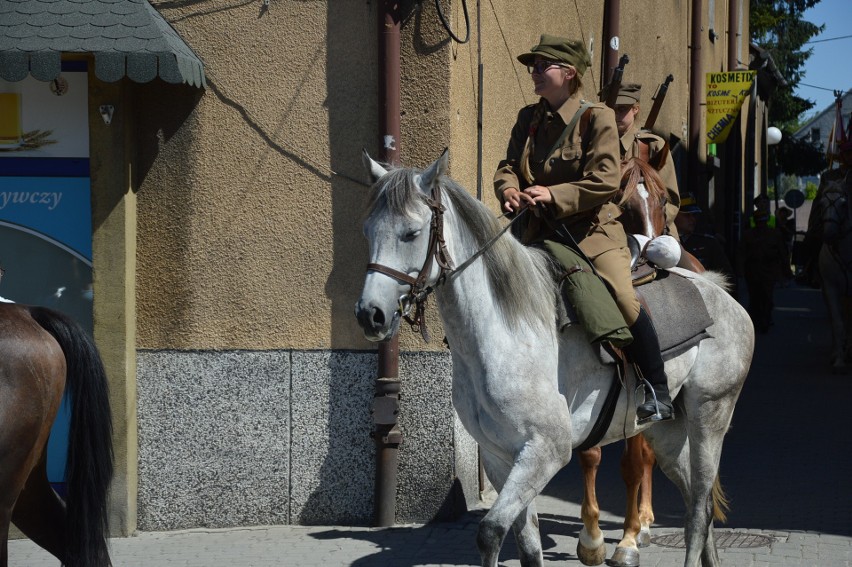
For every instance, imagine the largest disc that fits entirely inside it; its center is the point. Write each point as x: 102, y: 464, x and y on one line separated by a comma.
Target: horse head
x: 642, y: 197
x: 404, y: 227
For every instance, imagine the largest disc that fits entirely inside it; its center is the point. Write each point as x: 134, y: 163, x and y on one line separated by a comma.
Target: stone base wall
x: 238, y: 438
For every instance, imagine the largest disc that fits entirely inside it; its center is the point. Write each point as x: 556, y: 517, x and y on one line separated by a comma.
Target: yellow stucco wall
x: 247, y: 239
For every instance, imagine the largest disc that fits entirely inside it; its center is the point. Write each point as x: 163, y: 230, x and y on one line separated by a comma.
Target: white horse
x: 835, y: 266
x: 527, y: 393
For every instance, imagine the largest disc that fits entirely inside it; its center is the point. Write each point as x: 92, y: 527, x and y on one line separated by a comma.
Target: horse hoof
x: 589, y: 556
x: 643, y: 539
x: 624, y: 557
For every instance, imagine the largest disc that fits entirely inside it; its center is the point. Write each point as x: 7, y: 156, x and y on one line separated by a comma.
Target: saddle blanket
x: 680, y: 316
x: 678, y: 311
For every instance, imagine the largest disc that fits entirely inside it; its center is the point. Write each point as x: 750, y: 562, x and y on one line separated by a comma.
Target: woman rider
x: 562, y: 161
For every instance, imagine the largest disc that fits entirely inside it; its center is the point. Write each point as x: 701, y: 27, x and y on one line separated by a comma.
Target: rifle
x: 658, y: 103
x: 615, y: 82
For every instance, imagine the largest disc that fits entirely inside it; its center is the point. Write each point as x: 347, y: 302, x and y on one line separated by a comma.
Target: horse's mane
x: 632, y: 171
x: 521, y: 279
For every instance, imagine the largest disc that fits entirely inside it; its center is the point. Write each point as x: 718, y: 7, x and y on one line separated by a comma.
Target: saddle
x: 680, y: 318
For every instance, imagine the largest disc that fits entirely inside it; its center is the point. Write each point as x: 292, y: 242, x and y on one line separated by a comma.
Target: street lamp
x: 773, y: 137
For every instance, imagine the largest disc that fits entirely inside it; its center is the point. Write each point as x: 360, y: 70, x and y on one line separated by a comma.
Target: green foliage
x: 797, y: 156
x: 777, y: 26
x: 810, y: 190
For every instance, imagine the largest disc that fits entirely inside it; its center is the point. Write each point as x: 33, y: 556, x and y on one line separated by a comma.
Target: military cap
x: 688, y: 204
x: 560, y: 49
x: 628, y: 94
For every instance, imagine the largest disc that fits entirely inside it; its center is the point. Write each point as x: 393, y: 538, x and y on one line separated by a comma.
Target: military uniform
x: 629, y: 146
x: 582, y: 174
x: 764, y: 255
x: 573, y: 152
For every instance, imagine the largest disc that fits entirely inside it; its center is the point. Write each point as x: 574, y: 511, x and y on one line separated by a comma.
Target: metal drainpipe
x: 733, y: 33
x: 696, y: 179
x: 386, y: 398
x: 612, y: 17
x: 734, y: 147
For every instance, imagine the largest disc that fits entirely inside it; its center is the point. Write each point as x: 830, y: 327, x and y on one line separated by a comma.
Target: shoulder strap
x: 570, y: 126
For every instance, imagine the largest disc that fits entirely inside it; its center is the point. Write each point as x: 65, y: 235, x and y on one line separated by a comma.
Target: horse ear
x: 434, y: 171
x: 375, y: 170
x: 659, y: 159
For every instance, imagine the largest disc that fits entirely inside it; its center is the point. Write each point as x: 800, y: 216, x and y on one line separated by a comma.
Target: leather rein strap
x: 437, y: 252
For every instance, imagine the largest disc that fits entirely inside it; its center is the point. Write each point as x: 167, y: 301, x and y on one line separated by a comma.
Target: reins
x: 419, y: 292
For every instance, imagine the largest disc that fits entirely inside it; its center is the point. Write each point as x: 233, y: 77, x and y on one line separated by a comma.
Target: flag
x: 838, y: 132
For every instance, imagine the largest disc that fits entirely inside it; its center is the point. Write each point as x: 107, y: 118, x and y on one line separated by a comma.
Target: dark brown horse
x: 43, y: 353
x: 642, y: 198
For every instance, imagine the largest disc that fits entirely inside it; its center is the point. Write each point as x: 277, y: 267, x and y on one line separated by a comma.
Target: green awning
x: 128, y: 38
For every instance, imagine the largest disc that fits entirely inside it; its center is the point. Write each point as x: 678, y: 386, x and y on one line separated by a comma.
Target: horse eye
x: 409, y: 236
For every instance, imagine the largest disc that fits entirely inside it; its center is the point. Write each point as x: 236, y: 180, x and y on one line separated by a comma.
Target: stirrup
x: 656, y: 416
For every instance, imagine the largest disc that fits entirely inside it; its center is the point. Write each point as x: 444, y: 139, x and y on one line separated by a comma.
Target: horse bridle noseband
x: 419, y: 292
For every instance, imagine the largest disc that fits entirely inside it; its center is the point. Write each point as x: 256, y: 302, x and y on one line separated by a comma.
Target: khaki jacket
x: 582, y: 174
x: 630, y: 149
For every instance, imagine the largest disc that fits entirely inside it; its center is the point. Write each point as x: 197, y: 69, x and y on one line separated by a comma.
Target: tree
x: 777, y: 26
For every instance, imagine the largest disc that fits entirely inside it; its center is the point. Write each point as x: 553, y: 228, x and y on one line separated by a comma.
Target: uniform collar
x: 628, y: 138
x: 569, y: 108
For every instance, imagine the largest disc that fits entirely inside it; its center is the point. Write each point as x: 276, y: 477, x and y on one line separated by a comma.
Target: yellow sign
x: 725, y: 95
x: 10, y: 120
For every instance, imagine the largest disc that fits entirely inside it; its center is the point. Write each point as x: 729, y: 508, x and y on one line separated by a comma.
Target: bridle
x: 437, y: 252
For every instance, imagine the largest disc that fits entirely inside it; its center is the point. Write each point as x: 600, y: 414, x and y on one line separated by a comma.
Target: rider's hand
x: 538, y: 195
x: 514, y: 200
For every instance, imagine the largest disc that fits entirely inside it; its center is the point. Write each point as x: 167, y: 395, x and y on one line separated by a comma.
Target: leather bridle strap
x: 437, y: 251
x: 404, y: 278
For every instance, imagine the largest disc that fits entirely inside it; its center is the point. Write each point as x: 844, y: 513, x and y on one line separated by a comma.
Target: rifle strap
x: 570, y: 126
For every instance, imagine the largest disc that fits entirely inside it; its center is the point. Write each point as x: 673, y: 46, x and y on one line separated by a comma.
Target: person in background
x: 563, y: 163
x: 705, y: 247
x: 763, y: 256
x: 761, y: 203
x: 813, y: 237
x: 645, y: 145
x: 787, y: 226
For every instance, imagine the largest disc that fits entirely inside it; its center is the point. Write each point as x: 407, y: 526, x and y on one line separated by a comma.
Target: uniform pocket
x: 572, y: 152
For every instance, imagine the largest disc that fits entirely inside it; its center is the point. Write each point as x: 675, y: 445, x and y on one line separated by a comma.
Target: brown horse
x: 42, y: 354
x: 642, y: 198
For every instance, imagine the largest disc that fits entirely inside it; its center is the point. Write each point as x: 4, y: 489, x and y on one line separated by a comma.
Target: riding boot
x: 644, y: 351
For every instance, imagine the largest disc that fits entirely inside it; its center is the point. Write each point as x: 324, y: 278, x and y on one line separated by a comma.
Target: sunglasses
x: 542, y: 66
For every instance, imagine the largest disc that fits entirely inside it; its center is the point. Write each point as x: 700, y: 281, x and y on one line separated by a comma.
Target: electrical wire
x: 447, y: 25
x: 815, y: 87
x: 828, y: 39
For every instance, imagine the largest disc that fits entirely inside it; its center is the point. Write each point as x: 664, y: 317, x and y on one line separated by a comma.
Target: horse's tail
x: 721, y: 504
x: 90, y: 456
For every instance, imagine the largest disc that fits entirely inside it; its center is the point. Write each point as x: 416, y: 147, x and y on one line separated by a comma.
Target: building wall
x: 233, y: 231
x: 824, y: 120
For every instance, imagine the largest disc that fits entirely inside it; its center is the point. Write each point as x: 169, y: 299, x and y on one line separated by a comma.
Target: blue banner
x: 58, y: 207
